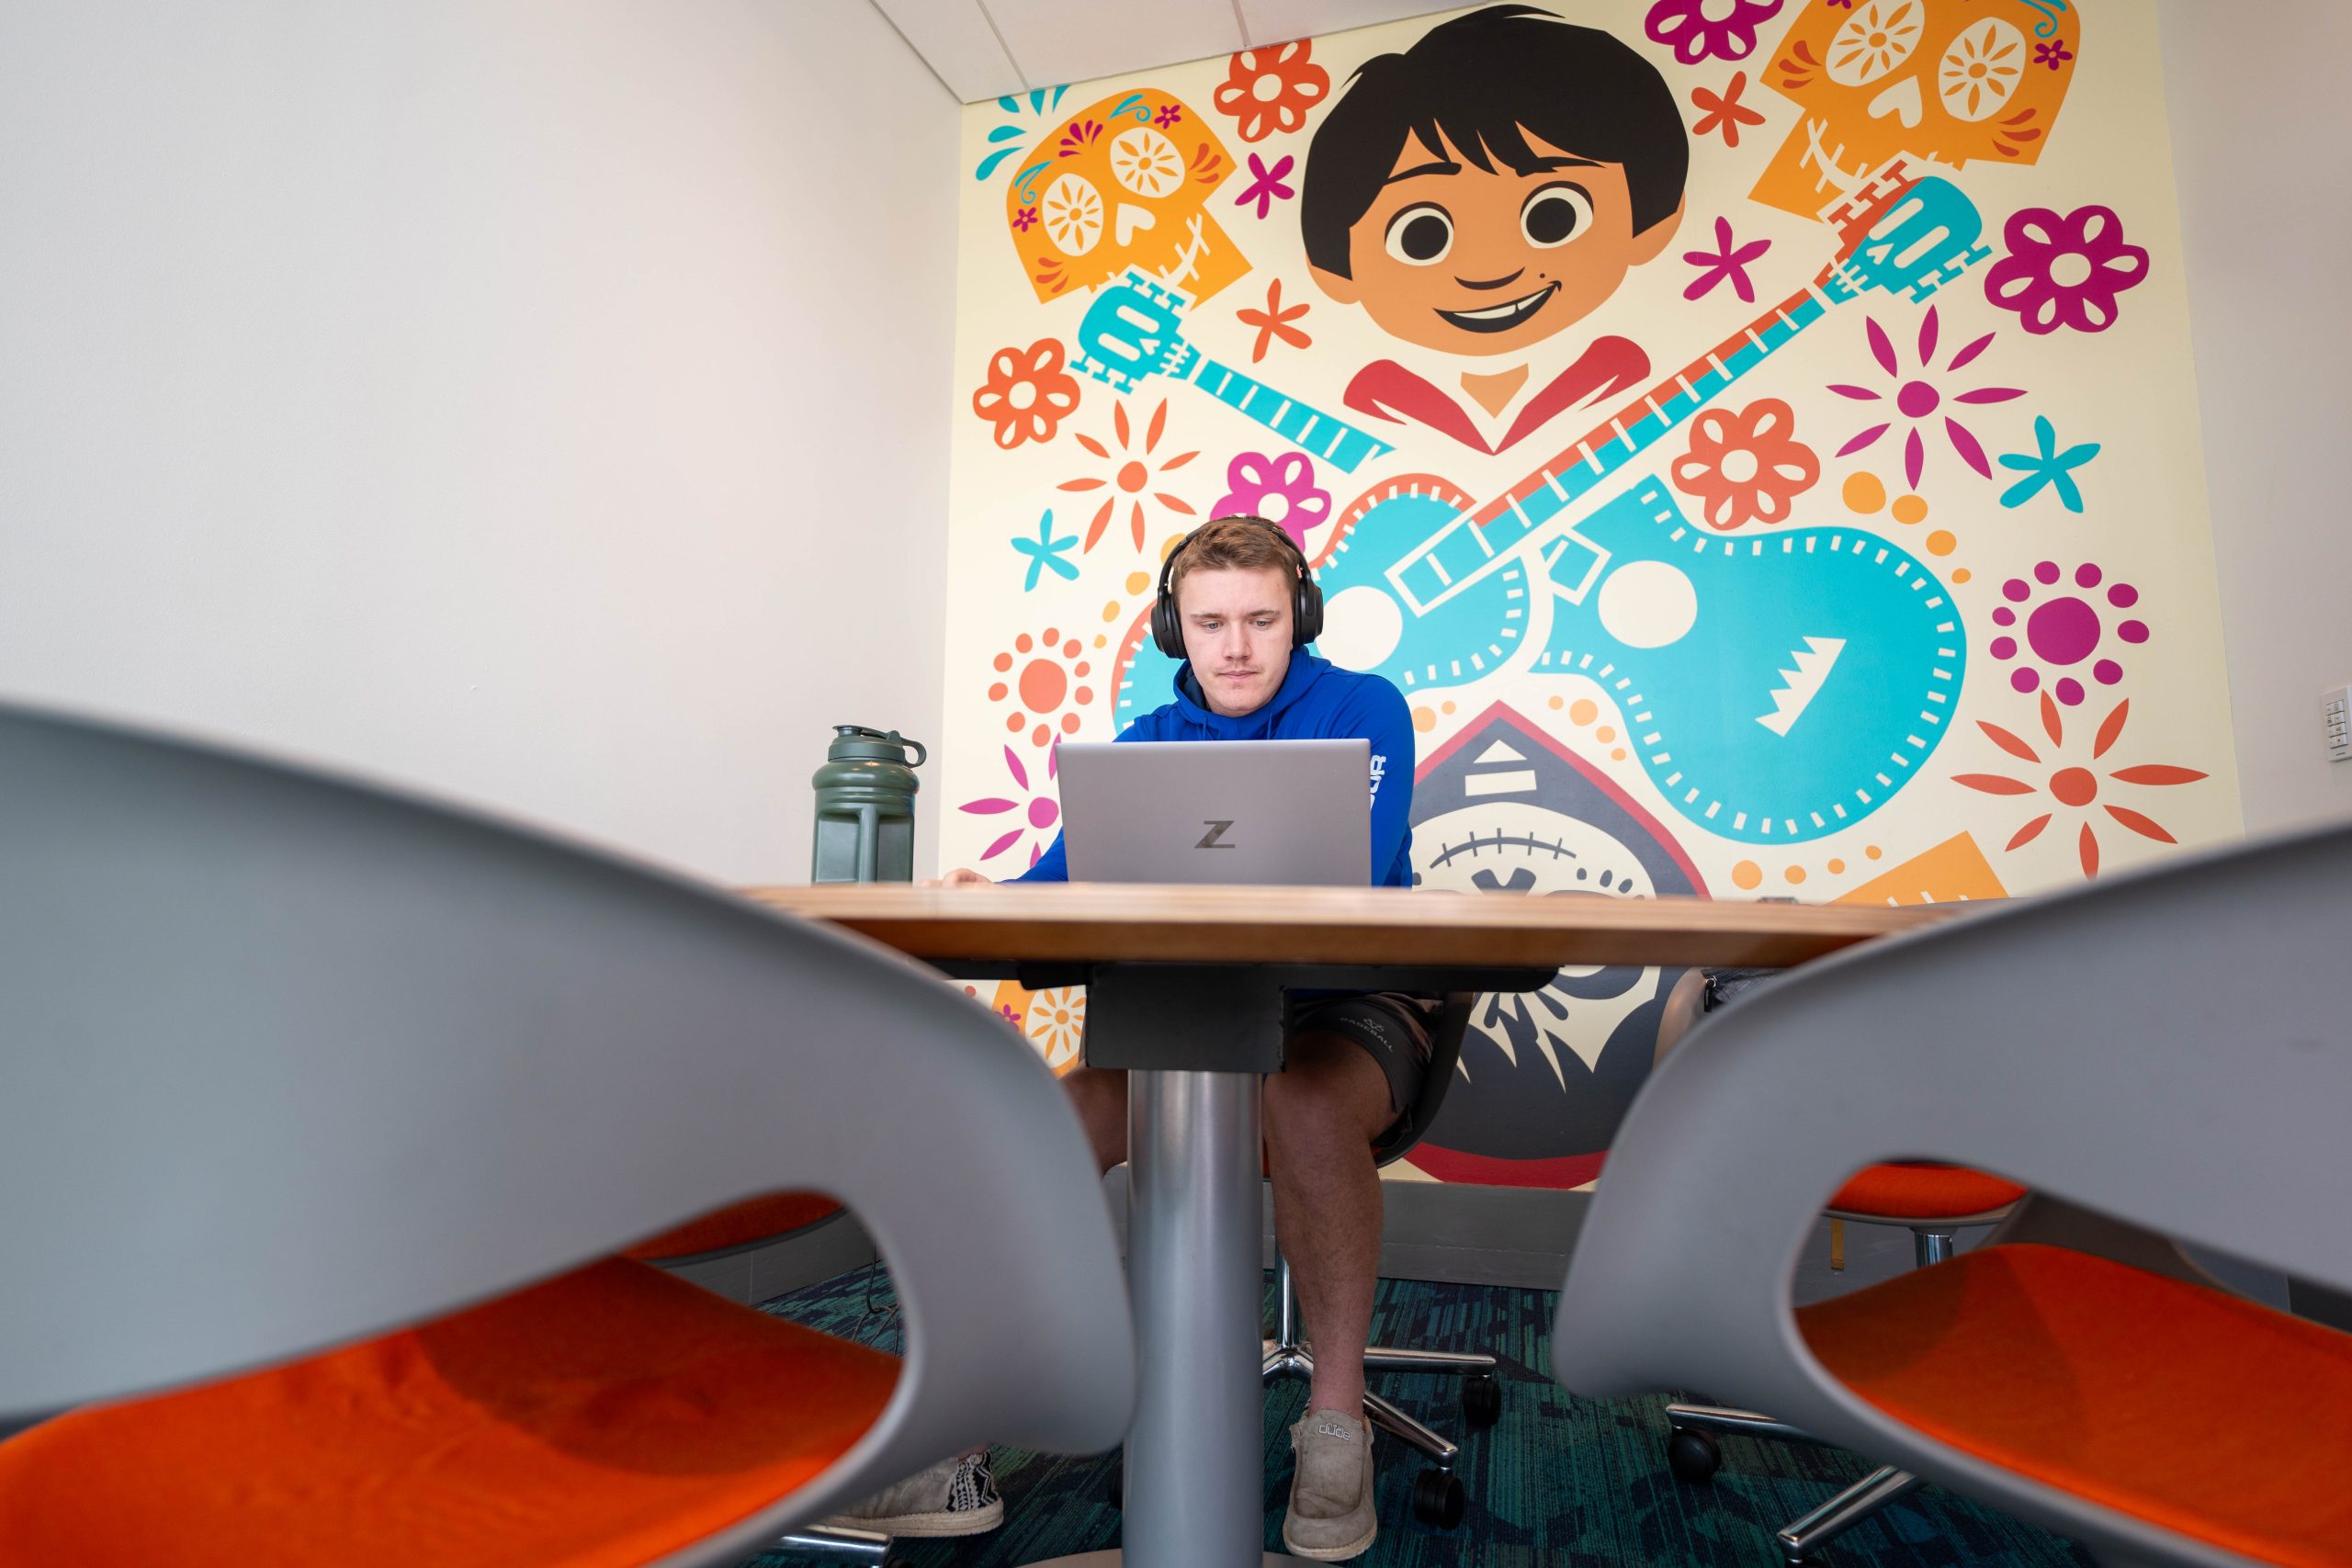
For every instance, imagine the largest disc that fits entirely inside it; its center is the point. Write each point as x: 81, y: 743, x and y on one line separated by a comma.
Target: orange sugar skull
x: 1944, y: 80
x: 1124, y: 182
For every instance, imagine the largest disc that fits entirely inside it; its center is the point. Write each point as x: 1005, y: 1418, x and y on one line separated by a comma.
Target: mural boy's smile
x: 1502, y: 318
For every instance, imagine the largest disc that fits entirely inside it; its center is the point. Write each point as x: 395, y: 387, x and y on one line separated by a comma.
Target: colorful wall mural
x: 1758, y: 438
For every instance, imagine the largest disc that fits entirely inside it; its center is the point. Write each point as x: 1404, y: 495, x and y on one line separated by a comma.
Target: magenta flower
x: 1724, y: 262
x: 1039, y: 811
x: 2064, y: 630
x: 1169, y: 115
x: 1025, y: 220
x: 2054, y: 54
x: 1917, y: 400
x: 1267, y: 187
x: 1695, y: 34
x: 1280, y: 490
x: 2064, y: 271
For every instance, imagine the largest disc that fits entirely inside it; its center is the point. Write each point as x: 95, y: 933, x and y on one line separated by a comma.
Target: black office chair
x: 1437, y: 1492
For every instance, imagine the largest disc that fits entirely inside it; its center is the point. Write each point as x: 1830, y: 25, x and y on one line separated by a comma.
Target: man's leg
x: 1099, y: 1095
x: 1323, y: 1110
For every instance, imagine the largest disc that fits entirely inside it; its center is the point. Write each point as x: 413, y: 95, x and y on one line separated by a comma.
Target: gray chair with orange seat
x: 737, y: 1229
x: 1437, y: 1491
x: 379, y: 1085
x: 1932, y: 1202
x: 2160, y: 1058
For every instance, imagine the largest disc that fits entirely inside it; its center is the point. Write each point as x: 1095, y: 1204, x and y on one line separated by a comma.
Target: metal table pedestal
x: 1193, y: 1496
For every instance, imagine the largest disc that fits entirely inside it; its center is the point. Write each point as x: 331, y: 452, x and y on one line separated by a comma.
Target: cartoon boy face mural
x: 1486, y: 190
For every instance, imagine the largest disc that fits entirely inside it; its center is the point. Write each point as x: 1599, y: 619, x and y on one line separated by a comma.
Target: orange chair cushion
x: 2194, y: 1410
x: 1921, y: 1191
x: 598, y: 1420
x: 754, y: 1219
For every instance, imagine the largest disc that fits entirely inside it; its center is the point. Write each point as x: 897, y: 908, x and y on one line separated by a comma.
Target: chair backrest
x: 2163, y: 1047
x: 330, y: 1060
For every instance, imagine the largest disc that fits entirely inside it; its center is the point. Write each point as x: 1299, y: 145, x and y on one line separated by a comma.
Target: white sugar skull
x: 1124, y: 182
x: 1948, y: 81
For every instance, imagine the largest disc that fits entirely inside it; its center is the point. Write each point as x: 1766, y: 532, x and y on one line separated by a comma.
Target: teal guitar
x: 1134, y: 329
x: 1775, y: 686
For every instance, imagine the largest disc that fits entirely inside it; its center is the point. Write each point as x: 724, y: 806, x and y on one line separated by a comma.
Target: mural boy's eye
x: 1420, y: 235
x: 1554, y: 215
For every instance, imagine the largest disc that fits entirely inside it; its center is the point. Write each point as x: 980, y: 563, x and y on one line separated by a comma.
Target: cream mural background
x: 1840, y: 533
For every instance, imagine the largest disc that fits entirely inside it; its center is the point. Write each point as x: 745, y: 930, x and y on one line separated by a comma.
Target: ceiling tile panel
x: 1054, y: 42
x: 955, y: 41
x: 1274, y: 21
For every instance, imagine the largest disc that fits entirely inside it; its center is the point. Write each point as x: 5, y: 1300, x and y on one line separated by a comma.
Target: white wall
x: 542, y: 401
x: 2262, y: 148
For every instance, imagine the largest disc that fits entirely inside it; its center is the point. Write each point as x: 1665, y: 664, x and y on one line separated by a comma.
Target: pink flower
x: 1695, y: 34
x: 1724, y: 262
x: 1280, y: 490
x: 1267, y: 187
x: 1917, y: 400
x: 2064, y: 271
x: 1039, y: 812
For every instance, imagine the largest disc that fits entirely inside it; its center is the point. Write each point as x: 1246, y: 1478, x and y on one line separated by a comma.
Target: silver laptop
x: 1287, y: 812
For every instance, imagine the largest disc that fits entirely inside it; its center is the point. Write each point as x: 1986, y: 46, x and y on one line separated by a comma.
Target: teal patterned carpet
x: 1561, y: 1481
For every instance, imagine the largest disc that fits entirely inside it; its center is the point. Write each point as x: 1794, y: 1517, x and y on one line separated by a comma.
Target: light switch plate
x: 2336, y: 718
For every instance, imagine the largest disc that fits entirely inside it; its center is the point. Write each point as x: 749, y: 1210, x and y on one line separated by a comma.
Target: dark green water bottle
x: 865, y: 808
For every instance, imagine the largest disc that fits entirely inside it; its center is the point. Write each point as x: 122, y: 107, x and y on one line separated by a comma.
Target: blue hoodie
x: 1318, y: 701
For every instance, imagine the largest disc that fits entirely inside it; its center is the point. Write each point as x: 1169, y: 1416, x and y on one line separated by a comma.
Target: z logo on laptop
x: 1215, y: 832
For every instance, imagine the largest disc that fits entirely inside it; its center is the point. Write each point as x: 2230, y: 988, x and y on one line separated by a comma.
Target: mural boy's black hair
x: 1484, y: 82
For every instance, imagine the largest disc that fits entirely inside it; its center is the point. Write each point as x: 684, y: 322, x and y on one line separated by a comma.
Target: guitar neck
x: 1334, y: 441
x: 1476, y: 543
x: 1615, y: 442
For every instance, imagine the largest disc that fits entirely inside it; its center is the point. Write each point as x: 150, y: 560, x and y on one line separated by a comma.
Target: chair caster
x: 1692, y: 1455
x: 1438, y: 1498
x: 1482, y: 1400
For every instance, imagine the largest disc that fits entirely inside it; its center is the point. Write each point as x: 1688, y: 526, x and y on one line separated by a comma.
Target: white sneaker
x: 956, y: 1496
x: 1330, y: 1515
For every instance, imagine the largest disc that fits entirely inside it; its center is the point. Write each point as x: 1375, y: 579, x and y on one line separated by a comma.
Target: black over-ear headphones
x: 1306, y: 596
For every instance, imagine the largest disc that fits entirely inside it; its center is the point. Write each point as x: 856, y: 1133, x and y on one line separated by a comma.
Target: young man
x: 1354, y: 1063
x: 1480, y: 193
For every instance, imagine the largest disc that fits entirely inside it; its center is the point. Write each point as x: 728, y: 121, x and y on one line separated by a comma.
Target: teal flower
x: 1046, y: 550
x: 2048, y: 466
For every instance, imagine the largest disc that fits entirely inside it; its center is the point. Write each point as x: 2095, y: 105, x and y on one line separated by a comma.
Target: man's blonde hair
x: 1237, y: 543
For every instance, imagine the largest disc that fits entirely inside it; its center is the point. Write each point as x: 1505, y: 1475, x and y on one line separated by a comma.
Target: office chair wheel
x: 1482, y: 1400
x: 1438, y: 1498
x: 1692, y: 1455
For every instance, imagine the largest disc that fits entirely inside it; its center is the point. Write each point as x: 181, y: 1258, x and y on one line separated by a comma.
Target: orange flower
x: 2076, y: 788
x: 1746, y: 465
x: 1723, y: 111
x: 1271, y: 89
x: 1027, y: 393
x: 1133, y: 474
x: 1274, y: 321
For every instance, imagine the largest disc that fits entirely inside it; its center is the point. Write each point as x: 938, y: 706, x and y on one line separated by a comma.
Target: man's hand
x: 962, y: 876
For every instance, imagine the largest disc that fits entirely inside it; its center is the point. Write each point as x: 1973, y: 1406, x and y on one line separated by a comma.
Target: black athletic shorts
x: 1724, y: 987
x: 1392, y: 1025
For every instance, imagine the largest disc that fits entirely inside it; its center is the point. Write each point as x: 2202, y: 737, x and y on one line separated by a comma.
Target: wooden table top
x: 1099, y: 922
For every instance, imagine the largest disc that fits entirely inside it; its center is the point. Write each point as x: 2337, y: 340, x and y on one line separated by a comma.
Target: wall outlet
x: 2335, y: 715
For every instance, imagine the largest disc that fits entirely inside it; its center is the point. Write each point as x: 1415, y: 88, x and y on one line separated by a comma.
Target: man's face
x: 1467, y: 261
x: 1236, y: 633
